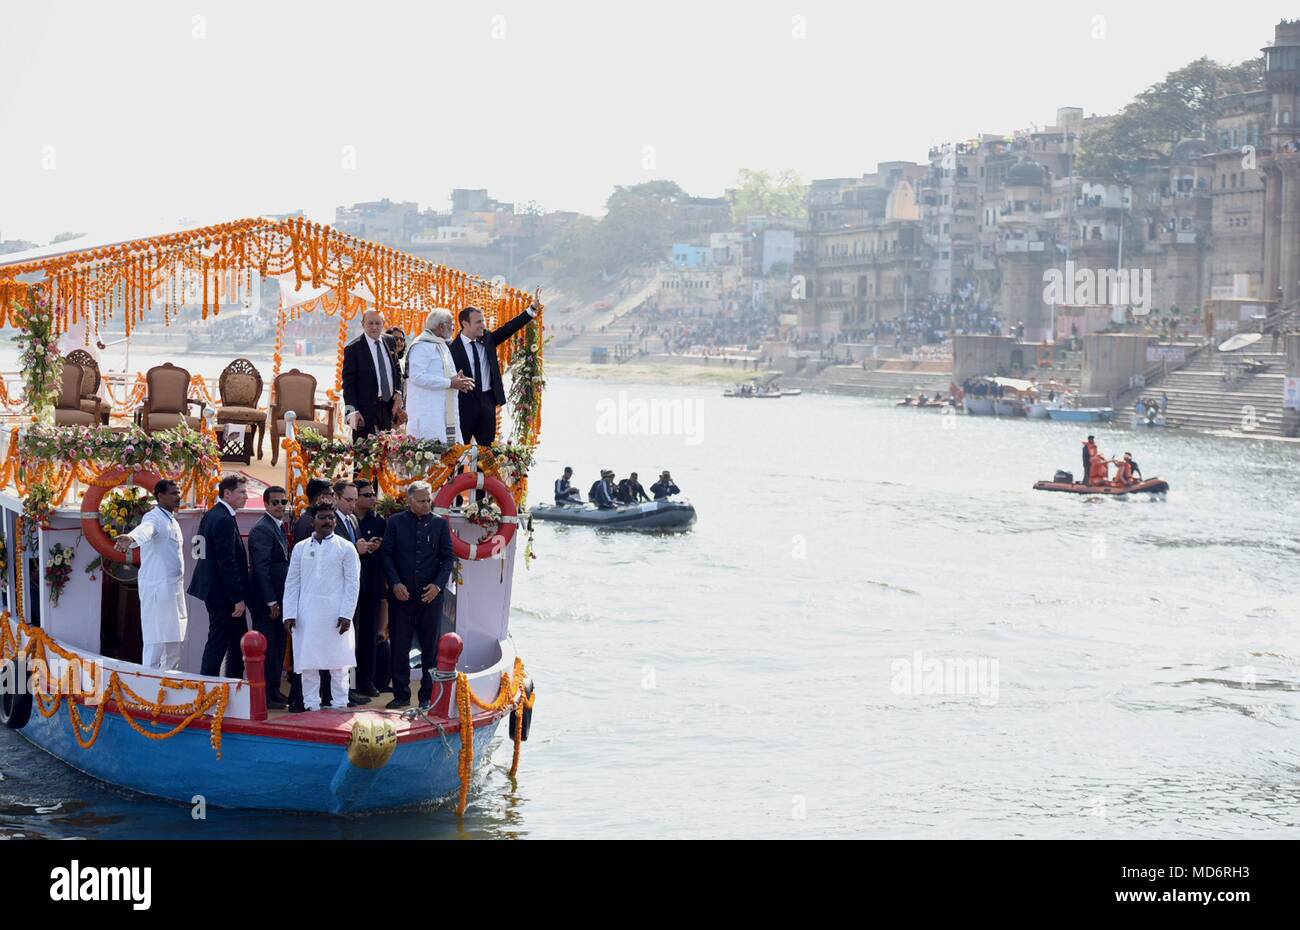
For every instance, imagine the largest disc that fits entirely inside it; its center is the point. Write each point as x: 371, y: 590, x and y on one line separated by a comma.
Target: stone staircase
x: 1201, y: 399
x: 608, y: 328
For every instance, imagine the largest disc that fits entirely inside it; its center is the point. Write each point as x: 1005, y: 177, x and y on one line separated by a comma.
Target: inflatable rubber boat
x: 1150, y: 486
x: 656, y: 515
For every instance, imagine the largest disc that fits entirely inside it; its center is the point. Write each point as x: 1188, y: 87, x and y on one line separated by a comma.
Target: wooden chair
x: 241, y: 389
x: 296, y: 390
x: 67, y: 410
x: 165, y: 403
x: 90, y: 400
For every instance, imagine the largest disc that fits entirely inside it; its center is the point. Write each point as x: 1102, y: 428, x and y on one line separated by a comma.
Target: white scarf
x: 450, y: 402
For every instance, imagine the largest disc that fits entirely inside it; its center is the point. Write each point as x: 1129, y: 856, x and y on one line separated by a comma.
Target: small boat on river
x: 650, y: 516
x: 1081, y: 414
x: 1149, y: 486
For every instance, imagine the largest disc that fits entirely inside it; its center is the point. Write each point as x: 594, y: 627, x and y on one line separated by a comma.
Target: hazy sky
x: 131, y: 113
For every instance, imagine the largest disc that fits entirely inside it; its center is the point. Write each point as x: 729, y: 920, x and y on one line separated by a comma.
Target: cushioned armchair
x: 67, y: 410
x: 90, y: 400
x: 241, y: 390
x: 296, y: 390
x: 167, y: 399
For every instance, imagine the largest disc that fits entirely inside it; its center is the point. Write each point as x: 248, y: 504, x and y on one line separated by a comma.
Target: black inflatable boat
x: 659, y: 515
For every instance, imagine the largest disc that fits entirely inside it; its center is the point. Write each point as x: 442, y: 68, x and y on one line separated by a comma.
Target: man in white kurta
x: 320, y: 598
x: 432, y: 382
x: 163, y: 616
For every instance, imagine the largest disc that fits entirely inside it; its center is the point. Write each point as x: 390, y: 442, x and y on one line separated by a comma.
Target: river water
x: 876, y: 629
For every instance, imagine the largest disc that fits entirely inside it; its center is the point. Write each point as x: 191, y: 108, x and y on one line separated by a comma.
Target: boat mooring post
x: 449, y: 650
x: 253, y: 645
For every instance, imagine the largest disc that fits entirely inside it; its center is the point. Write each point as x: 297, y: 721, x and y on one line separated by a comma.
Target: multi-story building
x: 861, y: 259
x: 1281, y: 166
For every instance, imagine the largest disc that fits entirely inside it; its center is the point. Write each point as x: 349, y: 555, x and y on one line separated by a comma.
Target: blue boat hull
x: 1094, y: 415
x: 260, y: 772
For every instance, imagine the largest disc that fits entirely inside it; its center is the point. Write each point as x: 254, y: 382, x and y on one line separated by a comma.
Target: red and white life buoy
x: 496, y: 543
x: 90, y: 526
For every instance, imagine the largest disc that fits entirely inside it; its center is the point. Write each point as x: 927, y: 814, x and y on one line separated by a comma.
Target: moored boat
x: 650, y: 516
x: 1081, y: 414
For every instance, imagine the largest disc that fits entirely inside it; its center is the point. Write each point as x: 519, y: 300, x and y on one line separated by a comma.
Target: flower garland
x: 168, y: 452
x: 58, y: 570
x: 38, y: 643
x: 511, y: 692
x: 527, y: 382
x: 326, y: 458
x: 38, y: 504
x: 38, y: 355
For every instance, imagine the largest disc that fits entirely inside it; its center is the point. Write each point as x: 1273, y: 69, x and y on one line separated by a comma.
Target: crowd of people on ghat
x: 939, y: 318
x: 1096, y: 467
x: 607, y: 492
x: 343, y: 588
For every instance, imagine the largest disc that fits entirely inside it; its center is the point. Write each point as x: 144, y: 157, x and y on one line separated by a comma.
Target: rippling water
x: 1132, y: 662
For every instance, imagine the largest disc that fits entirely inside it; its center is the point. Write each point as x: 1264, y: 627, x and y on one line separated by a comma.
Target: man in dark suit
x: 370, y: 536
x: 268, y: 557
x: 474, y: 353
x: 417, y: 561
x: 371, y: 388
x: 345, y: 523
x: 221, y: 579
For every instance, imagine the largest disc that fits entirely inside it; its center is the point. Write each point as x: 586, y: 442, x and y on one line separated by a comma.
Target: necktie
x: 385, y: 390
x: 474, y: 366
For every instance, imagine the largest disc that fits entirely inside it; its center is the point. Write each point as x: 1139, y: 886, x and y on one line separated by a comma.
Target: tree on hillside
x: 758, y: 193
x: 1181, y: 105
x: 637, y: 229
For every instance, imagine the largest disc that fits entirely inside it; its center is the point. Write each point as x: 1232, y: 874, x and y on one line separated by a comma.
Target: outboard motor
x: 1063, y: 477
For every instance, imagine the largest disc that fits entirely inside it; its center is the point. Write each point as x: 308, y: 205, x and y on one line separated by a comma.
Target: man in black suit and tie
x: 268, y: 557
x: 371, y: 386
x: 417, y: 560
x: 345, y: 523
x: 474, y: 353
x: 370, y: 536
x: 221, y: 579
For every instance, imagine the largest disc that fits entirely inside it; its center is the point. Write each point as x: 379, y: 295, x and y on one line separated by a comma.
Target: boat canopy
x: 1015, y: 384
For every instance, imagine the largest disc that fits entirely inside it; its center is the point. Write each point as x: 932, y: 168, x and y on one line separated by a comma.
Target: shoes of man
x: 369, y: 691
x: 297, y: 707
x: 356, y: 698
x: 397, y: 704
x: 273, y: 704
x: 278, y: 696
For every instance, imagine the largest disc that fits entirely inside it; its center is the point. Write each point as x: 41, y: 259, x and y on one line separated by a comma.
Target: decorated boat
x: 80, y: 452
x: 648, y: 516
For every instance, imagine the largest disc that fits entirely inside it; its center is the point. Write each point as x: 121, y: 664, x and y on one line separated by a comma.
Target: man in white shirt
x: 320, y: 598
x: 163, y: 615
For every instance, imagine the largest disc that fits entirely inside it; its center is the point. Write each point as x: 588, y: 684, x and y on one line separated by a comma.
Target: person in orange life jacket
x: 1100, y: 470
x: 1128, y: 468
x: 1089, y: 450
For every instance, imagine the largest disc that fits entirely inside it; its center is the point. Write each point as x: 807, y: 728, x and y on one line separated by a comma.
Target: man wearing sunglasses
x: 268, y: 551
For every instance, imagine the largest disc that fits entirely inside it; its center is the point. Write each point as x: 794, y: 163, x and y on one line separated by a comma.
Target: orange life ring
x: 90, y: 526
x: 500, y: 493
